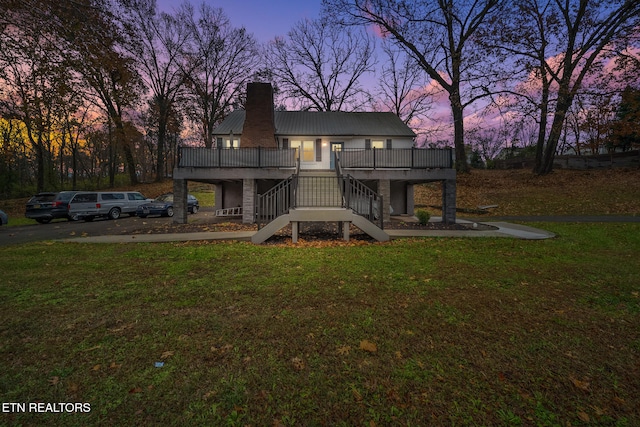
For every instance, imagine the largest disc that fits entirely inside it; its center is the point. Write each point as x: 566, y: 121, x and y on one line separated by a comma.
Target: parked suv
x: 43, y: 207
x: 88, y: 205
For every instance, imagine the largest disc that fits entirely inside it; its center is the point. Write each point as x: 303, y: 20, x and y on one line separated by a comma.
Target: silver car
x: 88, y: 205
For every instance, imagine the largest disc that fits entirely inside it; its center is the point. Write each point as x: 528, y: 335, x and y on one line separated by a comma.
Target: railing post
x: 256, y: 213
x: 371, y: 215
x: 259, y: 157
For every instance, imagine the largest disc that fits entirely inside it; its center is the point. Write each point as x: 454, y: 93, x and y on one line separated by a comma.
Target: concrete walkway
x: 504, y: 229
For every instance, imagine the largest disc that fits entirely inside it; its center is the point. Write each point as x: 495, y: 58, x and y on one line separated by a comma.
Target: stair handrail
x: 354, y: 192
x: 363, y: 200
x: 276, y: 201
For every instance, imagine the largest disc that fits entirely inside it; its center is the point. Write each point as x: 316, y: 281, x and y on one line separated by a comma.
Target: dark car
x: 43, y: 207
x: 163, y: 206
x: 4, y: 219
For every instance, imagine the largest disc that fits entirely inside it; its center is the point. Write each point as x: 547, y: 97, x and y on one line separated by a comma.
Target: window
x: 377, y: 143
x: 307, y: 148
x: 112, y: 196
x: 228, y: 143
x: 85, y: 198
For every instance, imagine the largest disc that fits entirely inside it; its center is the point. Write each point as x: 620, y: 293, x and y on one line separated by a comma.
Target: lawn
x: 411, y: 332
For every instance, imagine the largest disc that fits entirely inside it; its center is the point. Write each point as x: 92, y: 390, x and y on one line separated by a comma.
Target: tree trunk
x: 40, y: 166
x: 542, y: 129
x: 121, y: 141
x: 458, y: 131
x: 162, y: 135
x: 564, y: 102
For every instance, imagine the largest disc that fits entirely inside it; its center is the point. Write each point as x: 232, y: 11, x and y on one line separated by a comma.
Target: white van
x: 88, y: 205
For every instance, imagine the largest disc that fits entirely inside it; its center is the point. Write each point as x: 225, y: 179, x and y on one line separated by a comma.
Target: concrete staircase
x: 318, y: 189
x: 318, y: 198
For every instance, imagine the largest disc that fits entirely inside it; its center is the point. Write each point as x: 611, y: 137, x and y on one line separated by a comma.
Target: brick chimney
x: 259, y: 127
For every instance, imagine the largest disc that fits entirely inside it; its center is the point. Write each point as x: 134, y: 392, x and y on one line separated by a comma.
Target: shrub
x: 423, y: 216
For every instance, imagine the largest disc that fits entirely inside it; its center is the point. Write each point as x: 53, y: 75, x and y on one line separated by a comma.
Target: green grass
x: 466, y: 332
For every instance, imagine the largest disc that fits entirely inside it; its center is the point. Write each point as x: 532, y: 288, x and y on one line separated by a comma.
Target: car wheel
x: 114, y: 213
x: 169, y: 211
x: 194, y: 209
x: 44, y: 220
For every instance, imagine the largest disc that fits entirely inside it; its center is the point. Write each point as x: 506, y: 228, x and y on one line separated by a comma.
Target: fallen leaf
x: 368, y: 346
x: 582, y: 385
x: 344, y: 350
x: 584, y: 417
x: 298, y: 364
x: 166, y: 355
x: 96, y: 367
x: 54, y: 380
x: 135, y: 390
x: 356, y: 394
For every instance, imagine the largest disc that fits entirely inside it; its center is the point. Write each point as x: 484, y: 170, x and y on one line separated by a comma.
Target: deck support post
x: 180, y: 191
x: 248, y: 200
x: 295, y: 226
x: 449, y: 201
x: 384, y: 190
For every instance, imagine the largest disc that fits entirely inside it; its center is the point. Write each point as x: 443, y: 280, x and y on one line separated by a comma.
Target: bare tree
x: 156, y: 41
x: 438, y: 35
x: 561, y: 42
x: 218, y: 61
x: 35, y: 81
x: 94, y: 41
x: 320, y: 67
x: 402, y: 88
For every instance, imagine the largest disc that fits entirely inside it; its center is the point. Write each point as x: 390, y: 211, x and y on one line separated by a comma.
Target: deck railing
x: 409, y: 158
x: 259, y: 157
x: 377, y: 158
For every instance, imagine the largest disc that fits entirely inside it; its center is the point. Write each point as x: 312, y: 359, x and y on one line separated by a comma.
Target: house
x: 298, y: 166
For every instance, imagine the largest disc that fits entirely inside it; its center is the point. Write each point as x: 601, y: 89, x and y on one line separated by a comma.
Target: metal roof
x: 324, y: 123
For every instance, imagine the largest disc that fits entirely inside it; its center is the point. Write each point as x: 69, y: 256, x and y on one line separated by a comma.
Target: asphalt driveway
x: 63, y: 229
